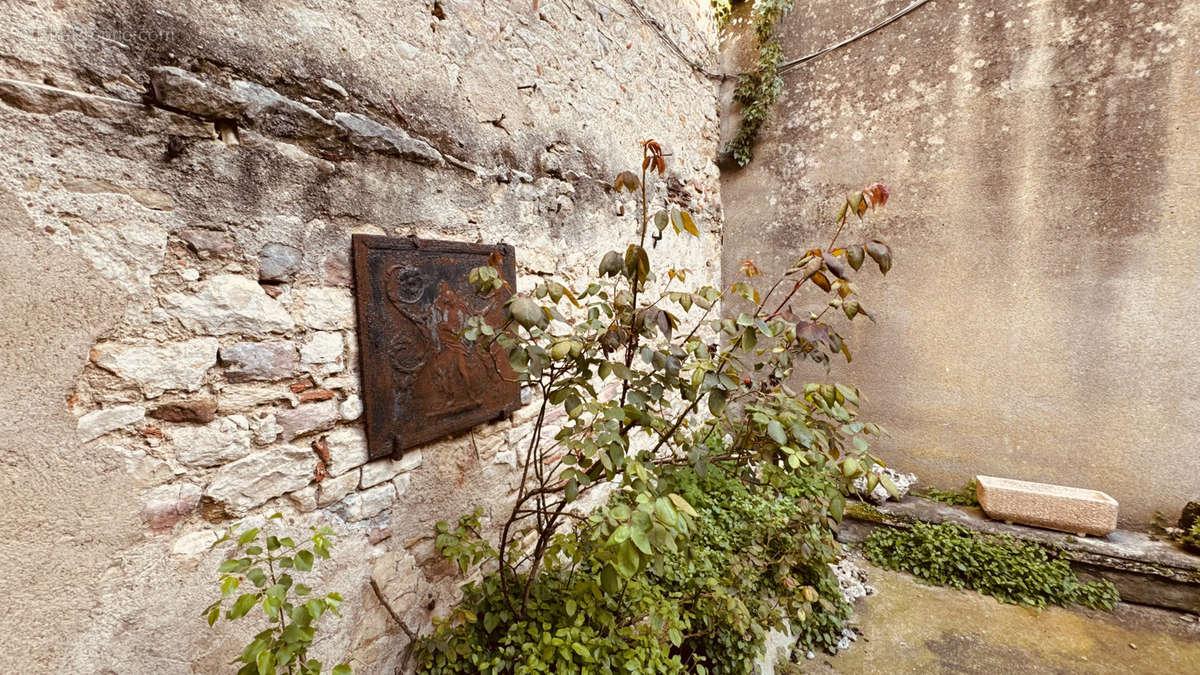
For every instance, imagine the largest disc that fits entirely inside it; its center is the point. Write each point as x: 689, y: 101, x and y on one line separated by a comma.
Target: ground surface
x: 913, y: 628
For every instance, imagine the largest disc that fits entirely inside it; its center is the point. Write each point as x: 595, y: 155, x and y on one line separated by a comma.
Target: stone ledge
x: 1145, y: 570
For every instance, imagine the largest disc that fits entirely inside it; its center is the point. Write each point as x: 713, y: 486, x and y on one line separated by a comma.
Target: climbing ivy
x: 758, y: 89
x: 1010, y: 570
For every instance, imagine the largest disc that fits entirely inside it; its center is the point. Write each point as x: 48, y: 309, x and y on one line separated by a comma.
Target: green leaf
x: 247, y: 536
x: 716, y: 401
x: 775, y: 431
x: 889, y: 486
x: 214, y: 613
x: 244, y: 604
x: 683, y: 505
x: 304, y: 560
x: 341, y: 669
x: 639, y: 539
x: 229, y: 585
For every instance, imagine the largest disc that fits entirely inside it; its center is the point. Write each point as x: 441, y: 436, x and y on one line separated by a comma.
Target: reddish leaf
x: 749, y: 268
x: 627, y: 180
x: 878, y: 194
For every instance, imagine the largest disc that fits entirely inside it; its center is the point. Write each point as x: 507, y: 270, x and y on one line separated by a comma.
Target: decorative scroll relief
x: 420, y: 380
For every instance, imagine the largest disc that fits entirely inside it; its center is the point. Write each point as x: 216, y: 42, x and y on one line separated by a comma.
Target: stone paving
x: 909, y: 627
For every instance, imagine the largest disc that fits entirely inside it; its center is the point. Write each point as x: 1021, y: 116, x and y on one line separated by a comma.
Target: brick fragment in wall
x: 259, y: 361
x: 337, y: 269
x: 347, y: 449
x: 166, y: 505
x: 97, y: 423
x: 206, y: 243
x: 239, y: 397
x: 279, y: 262
x: 326, y: 308
x: 229, y: 303
x: 222, y: 441
x: 374, y: 473
x: 335, y: 488
x: 307, y: 418
x: 262, y: 476
x: 366, y: 503
x: 201, y: 409
x: 156, y: 368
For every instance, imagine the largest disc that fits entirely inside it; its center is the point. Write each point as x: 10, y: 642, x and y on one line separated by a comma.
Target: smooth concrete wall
x: 1043, y: 160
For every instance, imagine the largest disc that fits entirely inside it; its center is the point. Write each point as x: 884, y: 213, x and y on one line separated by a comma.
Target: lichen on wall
x: 180, y: 183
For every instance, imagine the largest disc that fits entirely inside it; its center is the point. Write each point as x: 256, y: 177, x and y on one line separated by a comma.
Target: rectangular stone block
x: 1056, y: 507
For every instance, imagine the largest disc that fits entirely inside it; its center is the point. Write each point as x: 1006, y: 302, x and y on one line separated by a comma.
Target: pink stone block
x: 1057, y: 507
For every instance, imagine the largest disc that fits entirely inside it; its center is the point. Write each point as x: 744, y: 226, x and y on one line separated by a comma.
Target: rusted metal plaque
x: 420, y: 380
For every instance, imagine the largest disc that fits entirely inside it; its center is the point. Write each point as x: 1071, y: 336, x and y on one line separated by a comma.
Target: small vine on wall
x: 758, y: 88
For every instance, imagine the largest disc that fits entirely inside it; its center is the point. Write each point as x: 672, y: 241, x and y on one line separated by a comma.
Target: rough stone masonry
x: 179, y: 182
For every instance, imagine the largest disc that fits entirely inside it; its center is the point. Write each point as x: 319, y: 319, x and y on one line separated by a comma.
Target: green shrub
x: 756, y: 558
x: 1011, y: 570
x: 656, y: 581
x: 291, y: 608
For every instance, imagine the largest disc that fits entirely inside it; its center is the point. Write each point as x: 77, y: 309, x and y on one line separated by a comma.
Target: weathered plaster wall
x: 178, y: 334
x: 1040, y: 319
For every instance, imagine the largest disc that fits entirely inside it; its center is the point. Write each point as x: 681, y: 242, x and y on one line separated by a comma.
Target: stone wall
x: 1040, y: 319
x: 179, y: 182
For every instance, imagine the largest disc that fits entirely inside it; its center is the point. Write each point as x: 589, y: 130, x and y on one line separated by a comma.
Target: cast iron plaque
x: 420, y: 380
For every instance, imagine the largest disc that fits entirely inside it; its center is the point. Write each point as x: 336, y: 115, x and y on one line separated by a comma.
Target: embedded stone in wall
x: 179, y: 89
x: 367, y: 134
x: 208, y: 242
x: 279, y: 262
x: 326, y: 308
x: 366, y: 504
x: 274, y: 114
x: 261, y: 361
x: 308, y: 418
x: 227, y: 304
x: 261, y: 476
x: 347, y: 449
x: 158, y: 368
x: 238, y: 397
x: 168, y: 504
x: 377, y: 472
x: 95, y: 424
x: 305, y: 498
x: 352, y: 408
x: 333, y: 489
x: 264, y: 428
x: 201, y: 410
x: 322, y: 347
x: 225, y: 440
